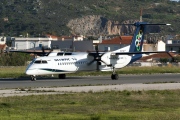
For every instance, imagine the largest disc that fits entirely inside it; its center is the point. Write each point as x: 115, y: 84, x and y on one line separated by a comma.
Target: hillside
x: 87, y: 17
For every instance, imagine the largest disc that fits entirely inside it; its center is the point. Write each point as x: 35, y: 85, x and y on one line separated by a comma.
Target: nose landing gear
x: 33, y: 78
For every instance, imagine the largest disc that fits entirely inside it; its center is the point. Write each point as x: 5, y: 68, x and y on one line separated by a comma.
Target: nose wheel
x: 33, y: 78
x: 114, y: 75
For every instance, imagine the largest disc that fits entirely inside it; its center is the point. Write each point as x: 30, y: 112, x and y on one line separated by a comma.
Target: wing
x: 39, y: 53
x: 131, y: 53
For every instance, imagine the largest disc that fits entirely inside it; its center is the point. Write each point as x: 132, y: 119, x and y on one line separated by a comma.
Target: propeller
x: 97, y: 58
x: 45, y: 53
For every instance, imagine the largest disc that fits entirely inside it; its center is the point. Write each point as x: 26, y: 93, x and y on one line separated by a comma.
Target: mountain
x: 86, y: 17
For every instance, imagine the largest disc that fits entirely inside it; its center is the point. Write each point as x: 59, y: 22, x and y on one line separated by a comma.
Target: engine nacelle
x: 117, y: 61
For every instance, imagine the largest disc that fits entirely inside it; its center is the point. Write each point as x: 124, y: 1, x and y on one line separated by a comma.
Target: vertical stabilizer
x: 138, y: 39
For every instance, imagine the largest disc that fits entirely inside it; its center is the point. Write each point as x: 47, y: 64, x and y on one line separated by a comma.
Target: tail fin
x: 138, y: 38
x: 137, y: 41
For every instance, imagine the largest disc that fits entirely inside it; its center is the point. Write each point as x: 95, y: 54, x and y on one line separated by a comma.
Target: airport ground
x: 133, y: 96
x: 137, y: 97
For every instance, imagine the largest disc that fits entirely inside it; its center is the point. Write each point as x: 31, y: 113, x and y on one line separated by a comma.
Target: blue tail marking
x: 137, y: 41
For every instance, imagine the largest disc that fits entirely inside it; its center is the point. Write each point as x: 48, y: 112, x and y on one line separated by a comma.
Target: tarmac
x: 75, y: 89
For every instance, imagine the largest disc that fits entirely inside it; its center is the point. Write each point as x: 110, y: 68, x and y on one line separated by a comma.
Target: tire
x: 114, y: 77
x: 62, y: 76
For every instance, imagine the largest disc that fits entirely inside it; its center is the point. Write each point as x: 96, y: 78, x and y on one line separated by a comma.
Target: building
x: 2, y: 47
x: 36, y: 43
x: 173, y: 45
x: 70, y: 45
x: 114, y: 43
x: 2, y: 40
x: 159, y: 46
x: 2, y: 43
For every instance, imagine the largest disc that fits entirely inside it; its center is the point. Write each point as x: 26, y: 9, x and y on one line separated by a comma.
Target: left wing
x: 39, y: 53
x: 131, y: 53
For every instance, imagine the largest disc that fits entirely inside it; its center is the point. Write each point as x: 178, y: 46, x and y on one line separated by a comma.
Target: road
x: 85, y: 81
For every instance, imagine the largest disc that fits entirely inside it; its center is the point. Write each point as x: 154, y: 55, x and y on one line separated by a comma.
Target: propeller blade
x: 96, y: 48
x: 104, y: 62
x: 43, y: 52
x: 97, y: 66
x: 102, y: 54
x: 97, y: 58
x: 49, y: 52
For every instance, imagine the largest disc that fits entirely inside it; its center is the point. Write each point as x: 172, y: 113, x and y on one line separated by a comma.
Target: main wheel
x: 62, y: 76
x: 114, y: 77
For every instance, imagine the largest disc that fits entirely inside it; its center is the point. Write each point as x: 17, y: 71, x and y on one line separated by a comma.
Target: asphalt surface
x: 88, y: 81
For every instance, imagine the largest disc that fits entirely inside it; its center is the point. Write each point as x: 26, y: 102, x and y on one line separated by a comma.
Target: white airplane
x: 63, y: 63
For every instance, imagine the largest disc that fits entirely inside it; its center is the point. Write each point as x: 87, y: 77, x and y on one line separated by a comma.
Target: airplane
x: 64, y: 63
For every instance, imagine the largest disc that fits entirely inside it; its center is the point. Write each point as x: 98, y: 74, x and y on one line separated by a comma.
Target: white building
x: 159, y: 46
x: 2, y: 40
x: 24, y: 43
x: 78, y: 38
x: 31, y: 43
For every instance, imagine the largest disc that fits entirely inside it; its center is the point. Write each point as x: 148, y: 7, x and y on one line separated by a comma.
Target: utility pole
x: 141, y: 15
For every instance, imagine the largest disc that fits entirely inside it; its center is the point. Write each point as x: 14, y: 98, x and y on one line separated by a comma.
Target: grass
x: 16, y: 72
x: 12, y: 71
x: 108, y: 105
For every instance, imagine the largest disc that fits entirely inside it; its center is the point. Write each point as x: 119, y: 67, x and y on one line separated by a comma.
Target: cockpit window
x: 32, y: 61
x: 40, y: 62
x: 64, y: 53
x: 37, y: 61
x: 44, y: 61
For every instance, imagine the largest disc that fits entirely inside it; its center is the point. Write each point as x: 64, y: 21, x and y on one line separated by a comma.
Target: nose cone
x: 31, y: 72
x: 28, y: 72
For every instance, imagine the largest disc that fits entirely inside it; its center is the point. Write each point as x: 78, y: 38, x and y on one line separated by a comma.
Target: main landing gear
x: 114, y: 76
x: 62, y: 76
x: 33, y: 78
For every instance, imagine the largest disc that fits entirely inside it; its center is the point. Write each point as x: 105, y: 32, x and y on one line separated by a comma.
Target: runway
x: 88, y: 81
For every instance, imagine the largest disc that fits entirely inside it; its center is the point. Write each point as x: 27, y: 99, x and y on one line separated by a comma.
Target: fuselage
x: 73, y: 63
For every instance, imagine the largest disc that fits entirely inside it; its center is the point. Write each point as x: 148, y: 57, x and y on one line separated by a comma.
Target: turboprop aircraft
x: 63, y: 63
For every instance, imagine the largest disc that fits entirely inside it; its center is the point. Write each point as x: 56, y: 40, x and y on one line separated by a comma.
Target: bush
x: 14, y: 59
x: 164, y: 60
x: 176, y: 59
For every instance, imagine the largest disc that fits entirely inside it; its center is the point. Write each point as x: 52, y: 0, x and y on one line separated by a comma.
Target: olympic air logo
x: 66, y: 59
x: 138, y: 40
